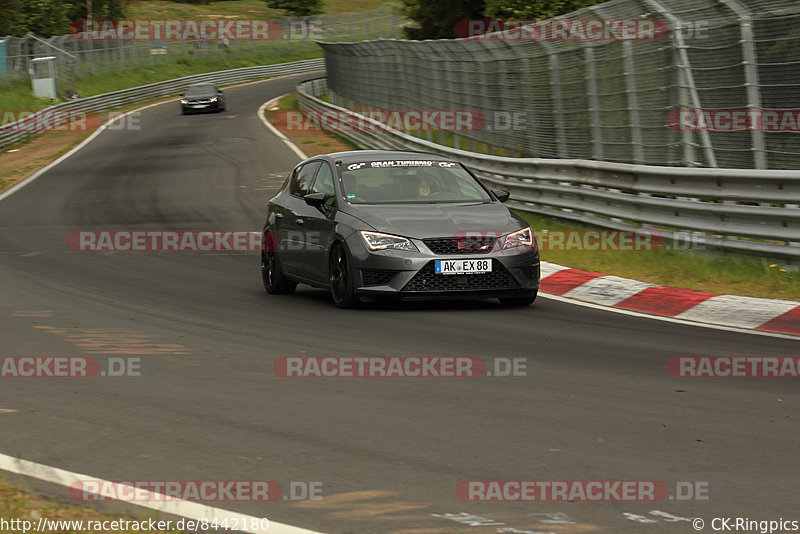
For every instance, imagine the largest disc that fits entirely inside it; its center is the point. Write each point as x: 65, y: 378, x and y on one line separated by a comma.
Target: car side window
x: 302, y: 177
x: 324, y: 183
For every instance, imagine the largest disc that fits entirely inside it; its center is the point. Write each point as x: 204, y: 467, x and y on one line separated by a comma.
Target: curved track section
x: 596, y: 404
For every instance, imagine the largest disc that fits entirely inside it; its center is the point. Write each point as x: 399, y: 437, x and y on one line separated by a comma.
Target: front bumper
x: 200, y: 106
x: 410, y: 275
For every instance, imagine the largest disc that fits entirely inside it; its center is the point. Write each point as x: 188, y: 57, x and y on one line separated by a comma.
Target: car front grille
x: 461, y: 244
x: 377, y: 277
x: 427, y: 280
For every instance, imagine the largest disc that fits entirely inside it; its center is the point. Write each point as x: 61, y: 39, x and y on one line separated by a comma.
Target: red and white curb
x: 766, y: 315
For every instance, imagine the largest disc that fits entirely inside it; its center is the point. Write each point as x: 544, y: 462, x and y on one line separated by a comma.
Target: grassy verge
x: 19, y: 503
x: 17, y: 96
x: 733, y: 274
x: 312, y: 142
x: 234, y: 9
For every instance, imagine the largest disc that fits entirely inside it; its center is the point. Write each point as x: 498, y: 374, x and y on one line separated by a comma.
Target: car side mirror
x: 315, y: 199
x: 501, y: 194
x: 180, y: 94
x: 219, y: 92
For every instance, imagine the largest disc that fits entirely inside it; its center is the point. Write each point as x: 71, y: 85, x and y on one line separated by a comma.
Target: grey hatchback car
x: 370, y: 224
x: 202, y: 97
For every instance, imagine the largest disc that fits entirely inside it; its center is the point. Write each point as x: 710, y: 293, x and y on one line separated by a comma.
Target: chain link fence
x: 78, y: 57
x: 719, y: 88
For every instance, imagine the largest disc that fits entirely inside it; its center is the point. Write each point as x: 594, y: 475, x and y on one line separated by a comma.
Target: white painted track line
x: 174, y: 506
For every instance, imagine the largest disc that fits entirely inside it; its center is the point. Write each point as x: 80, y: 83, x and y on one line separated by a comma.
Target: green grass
x: 17, y: 96
x: 123, y: 79
x: 18, y: 501
x: 139, y: 67
x: 713, y: 271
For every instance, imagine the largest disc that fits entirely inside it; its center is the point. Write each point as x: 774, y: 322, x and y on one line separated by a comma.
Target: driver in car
x: 424, y: 188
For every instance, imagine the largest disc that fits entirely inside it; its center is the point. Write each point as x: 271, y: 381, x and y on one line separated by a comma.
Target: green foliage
x: 101, y: 9
x: 438, y: 19
x: 45, y: 18
x: 540, y: 9
x: 11, y: 21
x: 297, y: 8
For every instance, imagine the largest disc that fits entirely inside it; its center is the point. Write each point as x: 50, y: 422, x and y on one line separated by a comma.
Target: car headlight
x: 184, y: 101
x: 378, y: 241
x: 520, y: 238
x: 214, y: 99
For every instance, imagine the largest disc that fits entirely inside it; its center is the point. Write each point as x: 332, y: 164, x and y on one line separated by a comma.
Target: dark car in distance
x: 202, y: 97
x: 370, y: 224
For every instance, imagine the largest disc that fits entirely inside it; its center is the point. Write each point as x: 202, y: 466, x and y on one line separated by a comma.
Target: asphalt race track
x: 596, y: 404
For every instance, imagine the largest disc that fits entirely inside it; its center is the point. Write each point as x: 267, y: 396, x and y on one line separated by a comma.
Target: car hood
x: 423, y: 221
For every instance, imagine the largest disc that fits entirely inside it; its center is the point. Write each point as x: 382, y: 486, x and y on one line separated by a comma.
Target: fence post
x: 633, y: 103
x: 594, y: 105
x: 557, y: 99
x: 752, y: 81
x: 685, y: 66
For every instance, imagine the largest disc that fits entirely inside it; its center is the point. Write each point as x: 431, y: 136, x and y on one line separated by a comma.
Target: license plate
x: 200, y: 105
x: 463, y: 266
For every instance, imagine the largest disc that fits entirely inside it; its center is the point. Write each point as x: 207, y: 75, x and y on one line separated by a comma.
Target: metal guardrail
x: 17, y: 131
x: 734, y: 209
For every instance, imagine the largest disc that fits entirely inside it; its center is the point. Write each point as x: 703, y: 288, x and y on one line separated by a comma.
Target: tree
x: 297, y: 8
x: 437, y: 19
x: 101, y: 10
x: 45, y: 18
x: 527, y: 10
x: 12, y: 22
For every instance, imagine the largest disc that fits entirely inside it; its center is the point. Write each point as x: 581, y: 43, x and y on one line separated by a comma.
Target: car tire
x: 275, y: 282
x: 526, y: 300
x: 341, y: 279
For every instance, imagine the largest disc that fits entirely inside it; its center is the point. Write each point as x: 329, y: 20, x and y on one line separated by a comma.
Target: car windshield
x: 201, y: 90
x: 406, y: 182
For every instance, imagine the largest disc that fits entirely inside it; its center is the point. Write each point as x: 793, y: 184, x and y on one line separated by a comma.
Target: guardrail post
x: 752, y: 82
